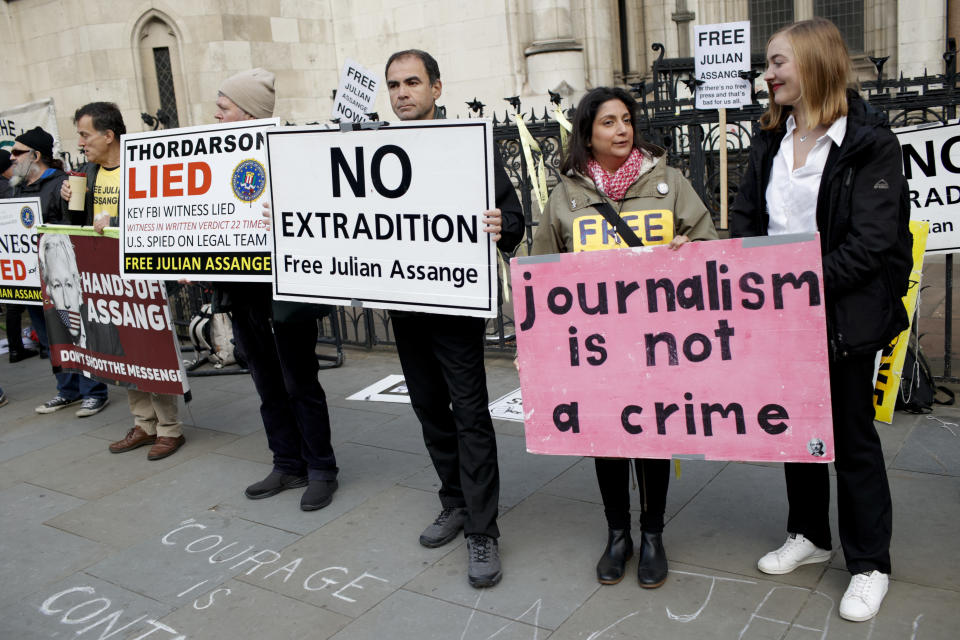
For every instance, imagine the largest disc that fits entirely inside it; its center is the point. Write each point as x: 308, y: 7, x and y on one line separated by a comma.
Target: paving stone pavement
x: 96, y: 545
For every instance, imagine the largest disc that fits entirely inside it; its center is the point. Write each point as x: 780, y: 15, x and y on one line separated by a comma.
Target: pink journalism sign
x: 717, y: 350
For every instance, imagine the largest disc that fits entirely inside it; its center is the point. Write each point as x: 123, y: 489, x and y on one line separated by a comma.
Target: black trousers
x: 864, y: 508
x: 15, y: 326
x: 442, y: 360
x: 283, y: 363
x: 653, y: 479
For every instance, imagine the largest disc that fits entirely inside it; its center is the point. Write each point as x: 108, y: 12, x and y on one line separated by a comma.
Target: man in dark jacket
x: 36, y: 174
x: 278, y: 342
x: 442, y: 360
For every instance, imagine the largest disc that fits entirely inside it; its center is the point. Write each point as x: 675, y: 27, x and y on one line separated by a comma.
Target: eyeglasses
x: 16, y: 153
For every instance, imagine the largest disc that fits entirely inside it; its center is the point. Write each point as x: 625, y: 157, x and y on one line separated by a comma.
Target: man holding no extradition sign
x: 442, y: 360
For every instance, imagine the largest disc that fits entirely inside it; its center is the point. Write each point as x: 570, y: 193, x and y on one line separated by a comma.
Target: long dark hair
x: 578, y: 149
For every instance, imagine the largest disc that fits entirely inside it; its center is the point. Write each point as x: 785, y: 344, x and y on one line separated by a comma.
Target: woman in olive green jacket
x: 608, y: 166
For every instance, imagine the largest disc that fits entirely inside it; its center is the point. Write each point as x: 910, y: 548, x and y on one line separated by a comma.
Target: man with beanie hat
x: 278, y: 340
x: 36, y: 173
x: 248, y: 95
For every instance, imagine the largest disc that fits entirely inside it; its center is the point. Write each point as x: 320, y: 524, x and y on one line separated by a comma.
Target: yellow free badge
x: 593, y: 232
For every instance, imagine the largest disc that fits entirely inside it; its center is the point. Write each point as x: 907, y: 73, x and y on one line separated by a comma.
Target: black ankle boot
x: 652, y: 570
x: 619, y: 549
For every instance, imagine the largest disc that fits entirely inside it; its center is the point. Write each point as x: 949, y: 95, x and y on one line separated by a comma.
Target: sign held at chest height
x: 19, y: 239
x: 716, y: 350
x: 389, y: 218
x: 191, y: 203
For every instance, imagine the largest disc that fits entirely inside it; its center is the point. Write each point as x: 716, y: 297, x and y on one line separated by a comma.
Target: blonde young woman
x: 608, y: 162
x: 826, y: 161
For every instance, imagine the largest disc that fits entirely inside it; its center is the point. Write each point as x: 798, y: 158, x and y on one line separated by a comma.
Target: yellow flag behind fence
x: 891, y: 362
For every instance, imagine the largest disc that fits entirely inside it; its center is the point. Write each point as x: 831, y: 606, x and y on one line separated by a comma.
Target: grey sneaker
x: 483, y: 553
x: 91, y: 407
x: 3, y: 398
x: 445, y: 528
x: 55, y: 404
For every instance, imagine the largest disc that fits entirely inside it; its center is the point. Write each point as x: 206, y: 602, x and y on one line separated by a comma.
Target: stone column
x: 555, y: 56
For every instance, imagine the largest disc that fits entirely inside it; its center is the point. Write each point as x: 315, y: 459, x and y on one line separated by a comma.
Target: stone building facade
x: 171, y: 55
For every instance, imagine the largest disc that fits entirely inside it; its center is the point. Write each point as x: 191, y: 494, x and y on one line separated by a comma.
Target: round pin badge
x: 663, y: 189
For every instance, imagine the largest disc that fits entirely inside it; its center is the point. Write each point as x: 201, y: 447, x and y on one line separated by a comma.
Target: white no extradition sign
x: 19, y: 277
x: 356, y: 94
x: 721, y: 52
x: 931, y: 164
x: 389, y: 218
x: 191, y: 203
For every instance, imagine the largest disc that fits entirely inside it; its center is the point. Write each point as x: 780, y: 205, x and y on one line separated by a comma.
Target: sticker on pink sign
x: 718, y: 350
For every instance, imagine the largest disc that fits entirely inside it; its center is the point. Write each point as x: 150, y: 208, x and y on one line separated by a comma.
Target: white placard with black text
x: 356, y: 94
x: 19, y: 277
x: 191, y: 204
x: 721, y: 52
x: 390, y: 218
x: 931, y: 164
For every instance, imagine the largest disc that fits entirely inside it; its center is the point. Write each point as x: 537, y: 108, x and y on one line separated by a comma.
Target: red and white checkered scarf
x: 615, y: 185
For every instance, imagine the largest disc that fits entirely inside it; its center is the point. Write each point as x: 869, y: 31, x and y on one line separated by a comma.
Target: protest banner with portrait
x: 116, y: 330
x: 718, y: 350
x: 19, y: 278
x: 191, y: 203
x: 390, y: 218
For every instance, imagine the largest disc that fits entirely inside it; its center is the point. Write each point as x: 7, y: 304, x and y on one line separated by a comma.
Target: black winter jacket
x: 48, y: 190
x: 858, y: 210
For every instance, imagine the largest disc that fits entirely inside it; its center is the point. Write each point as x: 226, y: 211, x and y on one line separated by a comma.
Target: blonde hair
x: 823, y: 66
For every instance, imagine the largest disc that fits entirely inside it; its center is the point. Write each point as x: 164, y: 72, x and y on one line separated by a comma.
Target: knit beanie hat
x: 38, y: 140
x: 5, y: 160
x: 252, y: 91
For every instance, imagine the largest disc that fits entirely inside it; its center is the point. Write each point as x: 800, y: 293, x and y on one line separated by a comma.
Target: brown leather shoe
x: 136, y: 437
x: 165, y: 446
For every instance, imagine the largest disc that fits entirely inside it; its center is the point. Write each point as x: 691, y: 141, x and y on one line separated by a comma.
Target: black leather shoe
x: 274, y: 484
x: 612, y: 563
x: 652, y: 570
x: 319, y: 494
x: 22, y: 354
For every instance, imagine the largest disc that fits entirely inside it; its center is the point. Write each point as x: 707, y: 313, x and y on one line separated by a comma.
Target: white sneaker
x: 796, y: 551
x: 863, y: 597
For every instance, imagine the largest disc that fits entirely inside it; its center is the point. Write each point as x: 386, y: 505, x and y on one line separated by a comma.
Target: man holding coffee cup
x: 99, y: 127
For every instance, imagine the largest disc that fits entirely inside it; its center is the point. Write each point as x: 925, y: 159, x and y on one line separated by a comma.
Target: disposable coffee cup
x: 78, y: 190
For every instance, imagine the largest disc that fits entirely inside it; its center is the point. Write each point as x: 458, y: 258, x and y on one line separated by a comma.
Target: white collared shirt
x: 792, y: 194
